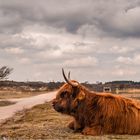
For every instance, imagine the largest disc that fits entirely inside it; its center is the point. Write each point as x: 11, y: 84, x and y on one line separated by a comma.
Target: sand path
x: 22, y: 103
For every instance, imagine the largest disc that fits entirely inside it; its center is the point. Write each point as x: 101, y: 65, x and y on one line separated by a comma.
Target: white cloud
x: 124, y: 60
x: 96, y: 35
x: 50, y: 54
x: 13, y: 50
x: 24, y: 60
x: 120, y: 49
x: 120, y: 72
x: 135, y: 60
x: 37, y: 75
x: 127, y: 21
x: 81, y: 62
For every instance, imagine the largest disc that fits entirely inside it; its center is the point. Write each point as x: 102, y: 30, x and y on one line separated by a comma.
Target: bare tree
x: 4, y: 72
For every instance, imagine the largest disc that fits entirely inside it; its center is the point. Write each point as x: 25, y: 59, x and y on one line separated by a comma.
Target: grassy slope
x: 39, y: 122
x: 42, y: 122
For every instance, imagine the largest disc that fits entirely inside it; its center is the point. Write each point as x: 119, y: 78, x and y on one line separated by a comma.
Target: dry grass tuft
x: 6, y: 103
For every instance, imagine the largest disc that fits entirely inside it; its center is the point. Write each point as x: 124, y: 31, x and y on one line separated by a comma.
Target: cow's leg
x: 74, y: 125
x: 94, y: 131
x: 71, y: 125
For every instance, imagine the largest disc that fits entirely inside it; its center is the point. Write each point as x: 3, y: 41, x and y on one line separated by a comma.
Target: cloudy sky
x: 96, y: 40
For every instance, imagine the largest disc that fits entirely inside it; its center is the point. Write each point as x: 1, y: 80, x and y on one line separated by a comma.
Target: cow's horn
x: 68, y: 81
x: 69, y: 75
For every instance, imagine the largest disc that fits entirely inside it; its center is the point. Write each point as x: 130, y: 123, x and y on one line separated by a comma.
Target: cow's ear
x: 75, y: 92
x: 81, y: 95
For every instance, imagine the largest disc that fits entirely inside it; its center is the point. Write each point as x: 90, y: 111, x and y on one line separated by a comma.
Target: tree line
x: 5, y: 71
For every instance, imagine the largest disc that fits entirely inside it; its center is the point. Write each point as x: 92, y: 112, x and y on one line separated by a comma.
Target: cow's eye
x: 62, y: 95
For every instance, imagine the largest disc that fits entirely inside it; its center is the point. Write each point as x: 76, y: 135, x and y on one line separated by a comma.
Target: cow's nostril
x: 53, y: 101
x: 53, y: 104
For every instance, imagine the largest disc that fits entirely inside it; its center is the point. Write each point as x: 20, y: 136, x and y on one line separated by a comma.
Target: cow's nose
x: 53, y: 102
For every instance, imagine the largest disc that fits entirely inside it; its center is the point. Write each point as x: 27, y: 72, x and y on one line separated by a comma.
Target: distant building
x: 107, y: 89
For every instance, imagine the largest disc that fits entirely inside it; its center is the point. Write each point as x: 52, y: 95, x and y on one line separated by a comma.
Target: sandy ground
x: 22, y: 103
x: 42, y: 122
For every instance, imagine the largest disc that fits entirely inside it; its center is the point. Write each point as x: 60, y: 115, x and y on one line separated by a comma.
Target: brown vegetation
x: 42, y: 122
x: 8, y: 94
x: 12, y: 89
x: 6, y: 103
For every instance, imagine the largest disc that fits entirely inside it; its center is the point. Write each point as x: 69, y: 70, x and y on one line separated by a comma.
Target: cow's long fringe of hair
x: 110, y: 113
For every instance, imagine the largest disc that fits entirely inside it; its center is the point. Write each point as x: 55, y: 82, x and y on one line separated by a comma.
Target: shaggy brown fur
x: 98, y: 114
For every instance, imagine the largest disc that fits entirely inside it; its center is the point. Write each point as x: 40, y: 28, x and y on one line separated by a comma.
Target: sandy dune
x: 8, y: 111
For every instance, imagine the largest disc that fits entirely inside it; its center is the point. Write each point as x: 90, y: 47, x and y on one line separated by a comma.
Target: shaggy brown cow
x: 97, y: 114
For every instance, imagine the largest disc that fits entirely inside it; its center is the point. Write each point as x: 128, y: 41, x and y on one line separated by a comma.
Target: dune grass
x: 19, y: 94
x: 43, y: 122
x: 40, y: 122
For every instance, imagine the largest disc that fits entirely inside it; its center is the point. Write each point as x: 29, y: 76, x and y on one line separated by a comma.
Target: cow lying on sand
x: 97, y: 114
